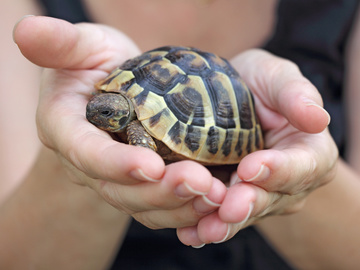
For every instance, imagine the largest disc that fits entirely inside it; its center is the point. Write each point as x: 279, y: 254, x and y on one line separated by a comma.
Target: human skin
x: 292, y: 137
x: 196, y: 235
x: 51, y: 223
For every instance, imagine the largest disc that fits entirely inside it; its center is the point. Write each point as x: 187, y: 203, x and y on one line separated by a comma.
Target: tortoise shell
x: 192, y: 101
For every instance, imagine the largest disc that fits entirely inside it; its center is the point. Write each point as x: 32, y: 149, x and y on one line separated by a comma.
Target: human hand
x: 300, y: 154
x: 135, y: 180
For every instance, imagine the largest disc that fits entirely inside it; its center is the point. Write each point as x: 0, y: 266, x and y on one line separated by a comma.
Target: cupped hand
x: 135, y: 180
x: 300, y: 154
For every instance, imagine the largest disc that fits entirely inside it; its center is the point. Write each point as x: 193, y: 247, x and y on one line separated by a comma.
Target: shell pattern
x: 193, y: 101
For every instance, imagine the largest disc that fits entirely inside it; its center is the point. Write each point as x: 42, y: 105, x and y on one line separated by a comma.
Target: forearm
x: 323, y: 235
x: 51, y: 223
x: 19, y: 98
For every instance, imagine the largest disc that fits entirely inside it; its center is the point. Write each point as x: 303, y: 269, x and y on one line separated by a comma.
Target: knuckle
x: 156, y: 202
x: 294, y: 208
x: 112, y: 195
x: 278, y: 65
x: 148, y: 222
x: 284, y: 204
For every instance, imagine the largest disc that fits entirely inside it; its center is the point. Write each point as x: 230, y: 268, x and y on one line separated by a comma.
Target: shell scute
x: 194, y: 102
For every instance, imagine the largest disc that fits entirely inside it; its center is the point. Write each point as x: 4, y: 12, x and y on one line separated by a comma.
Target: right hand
x: 135, y: 180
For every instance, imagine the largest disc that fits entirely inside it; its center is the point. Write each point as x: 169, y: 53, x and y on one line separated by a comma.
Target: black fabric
x: 149, y: 249
x: 70, y: 10
x: 312, y: 33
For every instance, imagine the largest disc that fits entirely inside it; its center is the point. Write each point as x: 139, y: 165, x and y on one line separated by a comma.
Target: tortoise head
x: 110, y: 111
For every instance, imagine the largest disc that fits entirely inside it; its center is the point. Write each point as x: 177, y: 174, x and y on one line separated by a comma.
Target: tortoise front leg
x: 137, y: 135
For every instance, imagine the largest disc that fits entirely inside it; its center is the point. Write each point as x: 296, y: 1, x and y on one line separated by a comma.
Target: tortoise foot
x: 137, y: 135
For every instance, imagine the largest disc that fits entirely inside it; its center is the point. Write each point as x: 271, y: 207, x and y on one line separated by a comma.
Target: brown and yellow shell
x: 194, y: 102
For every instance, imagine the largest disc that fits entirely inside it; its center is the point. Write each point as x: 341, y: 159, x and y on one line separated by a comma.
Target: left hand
x: 300, y: 154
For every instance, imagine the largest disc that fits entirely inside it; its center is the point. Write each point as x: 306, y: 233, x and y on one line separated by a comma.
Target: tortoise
x: 180, y: 102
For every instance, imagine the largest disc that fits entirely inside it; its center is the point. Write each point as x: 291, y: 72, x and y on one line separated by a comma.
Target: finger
x: 279, y: 85
x: 186, y: 215
x: 102, y: 158
x: 243, y: 204
x: 261, y: 205
x: 183, y: 216
x: 212, y: 200
x: 189, y: 236
x: 55, y: 43
x: 304, y: 163
x: 181, y: 182
x: 203, y: 205
x: 211, y: 229
x: 244, y: 201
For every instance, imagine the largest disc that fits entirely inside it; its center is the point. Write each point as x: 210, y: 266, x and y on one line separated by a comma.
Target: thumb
x: 55, y: 43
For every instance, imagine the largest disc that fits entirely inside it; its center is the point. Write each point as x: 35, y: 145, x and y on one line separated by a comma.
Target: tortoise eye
x: 107, y: 113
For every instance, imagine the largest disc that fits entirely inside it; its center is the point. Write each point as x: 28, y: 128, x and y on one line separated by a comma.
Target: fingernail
x: 226, y: 236
x: 240, y: 224
x: 17, y: 23
x: 235, y: 180
x: 309, y: 102
x: 200, y: 246
x: 140, y: 175
x: 210, y: 203
x: 251, y: 208
x: 203, y: 205
x: 184, y: 191
x: 262, y: 175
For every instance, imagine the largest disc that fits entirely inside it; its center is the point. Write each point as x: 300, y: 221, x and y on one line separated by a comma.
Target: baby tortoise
x: 180, y: 102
